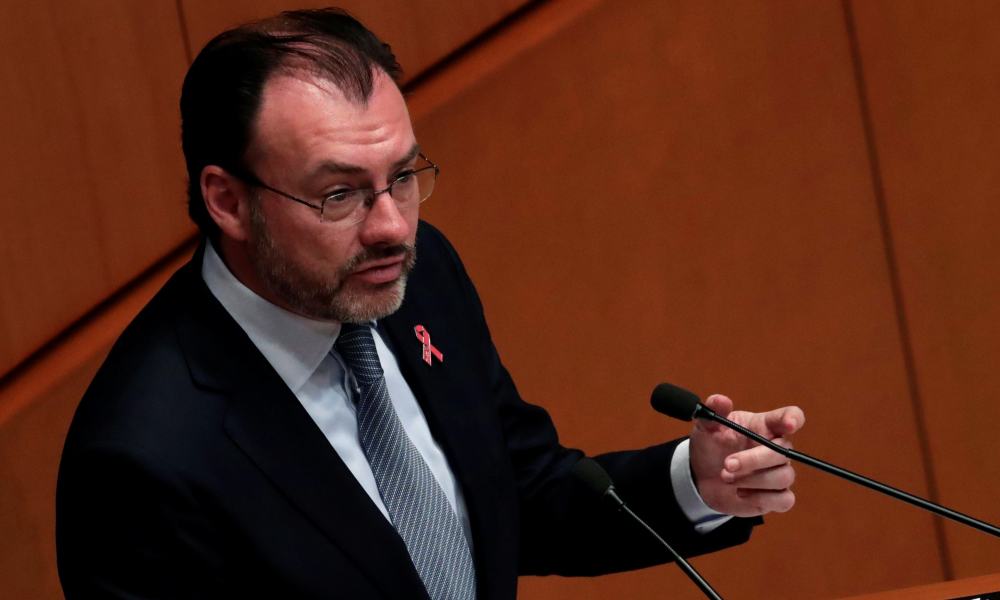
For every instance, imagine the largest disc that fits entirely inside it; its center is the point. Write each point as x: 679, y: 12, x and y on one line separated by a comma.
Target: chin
x: 357, y: 306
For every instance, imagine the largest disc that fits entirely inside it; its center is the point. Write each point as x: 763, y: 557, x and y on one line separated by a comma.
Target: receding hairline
x: 323, y: 82
x: 308, y: 73
x: 325, y: 85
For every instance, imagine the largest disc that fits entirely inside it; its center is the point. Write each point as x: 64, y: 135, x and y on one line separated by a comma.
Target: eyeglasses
x: 345, y: 208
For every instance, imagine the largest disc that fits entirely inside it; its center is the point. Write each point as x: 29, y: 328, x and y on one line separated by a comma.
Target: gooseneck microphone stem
x: 597, y: 480
x: 703, y: 412
x: 683, y: 564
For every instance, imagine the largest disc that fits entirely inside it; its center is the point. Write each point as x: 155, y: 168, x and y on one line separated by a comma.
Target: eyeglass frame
x: 251, y: 178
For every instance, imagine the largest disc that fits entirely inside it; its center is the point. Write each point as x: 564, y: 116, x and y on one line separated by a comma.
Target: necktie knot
x: 357, y: 347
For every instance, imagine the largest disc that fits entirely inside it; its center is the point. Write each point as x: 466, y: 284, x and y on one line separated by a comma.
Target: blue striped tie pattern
x: 417, y: 505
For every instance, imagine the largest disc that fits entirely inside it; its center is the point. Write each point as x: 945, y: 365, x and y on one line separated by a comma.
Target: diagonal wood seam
x: 95, y: 330
x: 185, y: 35
x: 892, y: 265
x: 86, y: 338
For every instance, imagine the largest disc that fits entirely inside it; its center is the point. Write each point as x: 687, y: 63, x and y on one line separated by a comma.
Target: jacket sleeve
x: 128, y: 529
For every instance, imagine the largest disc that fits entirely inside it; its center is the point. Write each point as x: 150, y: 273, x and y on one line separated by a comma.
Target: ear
x: 227, y: 200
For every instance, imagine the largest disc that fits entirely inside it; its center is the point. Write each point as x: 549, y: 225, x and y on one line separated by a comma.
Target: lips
x: 380, y: 271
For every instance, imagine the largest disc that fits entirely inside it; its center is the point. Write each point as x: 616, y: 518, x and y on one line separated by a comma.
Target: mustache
x: 408, y: 251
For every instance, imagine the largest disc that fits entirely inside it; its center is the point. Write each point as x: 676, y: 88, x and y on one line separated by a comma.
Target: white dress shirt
x: 301, y: 351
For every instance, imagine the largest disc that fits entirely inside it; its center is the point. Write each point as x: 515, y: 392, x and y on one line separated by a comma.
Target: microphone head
x: 592, y: 475
x: 674, y: 401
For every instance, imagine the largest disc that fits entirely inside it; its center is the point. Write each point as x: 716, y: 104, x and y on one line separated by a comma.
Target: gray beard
x: 327, y: 298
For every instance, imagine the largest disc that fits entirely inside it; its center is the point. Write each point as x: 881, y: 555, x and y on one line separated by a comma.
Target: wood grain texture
x: 30, y: 447
x: 421, y: 32
x: 91, y: 160
x: 35, y: 412
x: 680, y: 191
x: 643, y: 191
x: 933, y: 75
x: 93, y: 178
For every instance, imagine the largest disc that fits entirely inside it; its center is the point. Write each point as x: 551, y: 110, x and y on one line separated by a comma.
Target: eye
x: 338, y: 196
x: 404, y: 177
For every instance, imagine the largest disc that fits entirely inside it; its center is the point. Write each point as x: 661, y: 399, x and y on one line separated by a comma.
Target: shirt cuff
x: 705, y: 519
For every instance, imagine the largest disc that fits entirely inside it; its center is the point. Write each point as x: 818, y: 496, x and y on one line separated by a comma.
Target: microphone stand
x: 683, y: 564
x: 703, y: 412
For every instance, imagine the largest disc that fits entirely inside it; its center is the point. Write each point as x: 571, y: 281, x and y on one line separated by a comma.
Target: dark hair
x: 222, y: 89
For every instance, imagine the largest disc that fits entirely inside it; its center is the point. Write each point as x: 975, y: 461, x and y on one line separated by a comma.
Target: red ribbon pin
x: 429, y: 350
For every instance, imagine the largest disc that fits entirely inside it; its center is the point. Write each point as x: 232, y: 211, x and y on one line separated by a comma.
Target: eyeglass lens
x: 408, y: 190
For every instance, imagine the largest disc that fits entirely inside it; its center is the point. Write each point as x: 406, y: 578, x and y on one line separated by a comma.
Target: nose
x: 385, y: 224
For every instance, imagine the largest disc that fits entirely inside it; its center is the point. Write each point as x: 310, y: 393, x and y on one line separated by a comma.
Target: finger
x: 775, y: 478
x: 784, y: 421
x: 761, y: 502
x: 720, y: 405
x: 743, y: 463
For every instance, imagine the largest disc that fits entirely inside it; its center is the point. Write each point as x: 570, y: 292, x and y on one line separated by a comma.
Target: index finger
x: 784, y: 421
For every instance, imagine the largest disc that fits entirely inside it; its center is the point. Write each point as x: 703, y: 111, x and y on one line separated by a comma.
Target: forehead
x: 304, y: 120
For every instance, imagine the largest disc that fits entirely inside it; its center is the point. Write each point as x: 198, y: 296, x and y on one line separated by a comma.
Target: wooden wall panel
x: 933, y: 74
x: 30, y: 446
x: 644, y: 191
x: 93, y: 181
x: 420, y: 32
x: 35, y: 411
x: 680, y: 191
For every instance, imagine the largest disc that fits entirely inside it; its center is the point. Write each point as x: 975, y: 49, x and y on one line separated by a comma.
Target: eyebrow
x: 334, y: 167
x: 414, y: 151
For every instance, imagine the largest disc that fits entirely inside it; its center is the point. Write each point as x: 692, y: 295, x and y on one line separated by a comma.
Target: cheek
x: 331, y: 249
x: 306, y: 241
x: 412, y: 221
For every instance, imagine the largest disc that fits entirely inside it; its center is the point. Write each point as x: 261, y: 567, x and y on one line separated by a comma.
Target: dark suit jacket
x: 191, y: 470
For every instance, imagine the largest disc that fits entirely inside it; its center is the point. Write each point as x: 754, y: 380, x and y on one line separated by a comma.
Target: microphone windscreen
x: 592, y: 475
x: 674, y: 401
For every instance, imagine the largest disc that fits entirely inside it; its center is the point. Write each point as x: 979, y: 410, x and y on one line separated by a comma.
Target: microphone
x: 682, y: 404
x: 675, y: 402
x: 598, y: 481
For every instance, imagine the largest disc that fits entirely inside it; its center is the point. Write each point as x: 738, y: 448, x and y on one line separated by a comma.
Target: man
x: 278, y: 420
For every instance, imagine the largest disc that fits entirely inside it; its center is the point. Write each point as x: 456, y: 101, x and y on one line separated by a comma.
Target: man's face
x: 311, y: 141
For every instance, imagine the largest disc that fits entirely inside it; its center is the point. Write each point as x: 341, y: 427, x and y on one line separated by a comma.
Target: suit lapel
x: 455, y: 422
x: 273, y: 429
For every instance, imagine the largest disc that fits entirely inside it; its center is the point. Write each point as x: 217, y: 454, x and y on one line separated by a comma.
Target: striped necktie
x: 417, y: 505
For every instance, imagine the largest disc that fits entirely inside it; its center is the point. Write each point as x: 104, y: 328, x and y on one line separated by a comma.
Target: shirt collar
x: 293, y: 344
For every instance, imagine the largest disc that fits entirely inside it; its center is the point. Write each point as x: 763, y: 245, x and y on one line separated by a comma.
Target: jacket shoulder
x: 144, y: 390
